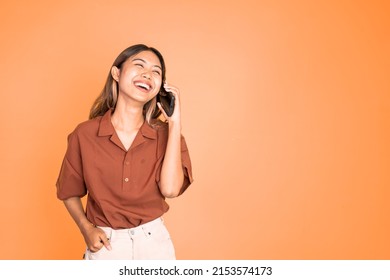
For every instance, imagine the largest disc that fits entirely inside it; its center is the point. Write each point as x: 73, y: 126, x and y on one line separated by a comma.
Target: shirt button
x: 126, y: 180
x: 127, y: 162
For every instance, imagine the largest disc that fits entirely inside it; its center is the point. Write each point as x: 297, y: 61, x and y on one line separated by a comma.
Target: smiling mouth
x: 143, y: 86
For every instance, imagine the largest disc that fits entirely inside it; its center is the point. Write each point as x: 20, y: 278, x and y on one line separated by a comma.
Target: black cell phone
x: 167, y: 101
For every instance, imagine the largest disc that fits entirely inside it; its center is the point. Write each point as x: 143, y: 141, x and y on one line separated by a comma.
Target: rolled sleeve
x: 187, y: 167
x: 70, y: 182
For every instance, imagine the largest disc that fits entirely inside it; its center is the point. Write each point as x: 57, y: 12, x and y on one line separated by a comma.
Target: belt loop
x: 146, y: 231
x: 109, y: 233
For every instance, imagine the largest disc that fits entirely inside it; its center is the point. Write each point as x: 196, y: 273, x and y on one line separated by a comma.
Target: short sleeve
x: 70, y: 182
x: 187, y: 167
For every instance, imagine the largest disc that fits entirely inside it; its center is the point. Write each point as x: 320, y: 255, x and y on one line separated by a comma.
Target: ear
x: 115, y: 73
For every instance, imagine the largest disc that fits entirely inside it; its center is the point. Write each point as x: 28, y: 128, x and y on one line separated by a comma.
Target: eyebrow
x: 145, y: 62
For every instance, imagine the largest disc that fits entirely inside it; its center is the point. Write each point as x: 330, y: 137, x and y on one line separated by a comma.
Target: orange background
x: 285, y: 111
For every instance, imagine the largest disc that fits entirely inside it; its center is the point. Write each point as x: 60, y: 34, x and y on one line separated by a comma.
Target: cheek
x: 125, y: 78
x: 158, y: 83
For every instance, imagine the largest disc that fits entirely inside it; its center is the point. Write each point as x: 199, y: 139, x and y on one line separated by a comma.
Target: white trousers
x: 150, y: 241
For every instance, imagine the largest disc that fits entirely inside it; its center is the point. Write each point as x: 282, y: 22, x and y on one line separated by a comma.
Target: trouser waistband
x: 141, y: 229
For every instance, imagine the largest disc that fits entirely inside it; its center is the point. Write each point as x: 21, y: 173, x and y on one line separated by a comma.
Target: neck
x: 127, y: 118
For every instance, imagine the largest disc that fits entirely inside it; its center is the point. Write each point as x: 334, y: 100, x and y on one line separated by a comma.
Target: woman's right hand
x: 95, y: 238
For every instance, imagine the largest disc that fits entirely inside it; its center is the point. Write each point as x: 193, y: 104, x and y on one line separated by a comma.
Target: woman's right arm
x: 94, y: 237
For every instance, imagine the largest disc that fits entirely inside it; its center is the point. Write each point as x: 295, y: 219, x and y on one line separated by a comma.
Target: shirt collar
x: 106, y: 128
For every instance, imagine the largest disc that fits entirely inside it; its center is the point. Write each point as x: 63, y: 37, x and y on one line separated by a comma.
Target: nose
x: 146, y: 75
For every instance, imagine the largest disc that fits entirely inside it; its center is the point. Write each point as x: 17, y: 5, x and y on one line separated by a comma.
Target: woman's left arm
x: 172, y: 175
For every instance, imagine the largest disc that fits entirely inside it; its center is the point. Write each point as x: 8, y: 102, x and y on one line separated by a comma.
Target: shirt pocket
x: 143, y: 166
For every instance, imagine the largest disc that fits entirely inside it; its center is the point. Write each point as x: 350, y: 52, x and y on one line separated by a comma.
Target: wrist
x: 174, y: 127
x: 86, y: 225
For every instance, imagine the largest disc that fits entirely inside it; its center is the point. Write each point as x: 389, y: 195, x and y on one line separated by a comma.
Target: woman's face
x: 140, y: 77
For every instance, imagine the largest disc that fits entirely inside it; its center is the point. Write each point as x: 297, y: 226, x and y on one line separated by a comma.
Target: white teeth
x: 145, y: 86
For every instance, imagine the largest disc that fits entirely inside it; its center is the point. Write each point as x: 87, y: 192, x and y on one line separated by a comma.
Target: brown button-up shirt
x: 122, y: 186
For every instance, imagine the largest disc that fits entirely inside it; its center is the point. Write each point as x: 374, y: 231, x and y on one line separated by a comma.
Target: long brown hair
x: 109, y: 95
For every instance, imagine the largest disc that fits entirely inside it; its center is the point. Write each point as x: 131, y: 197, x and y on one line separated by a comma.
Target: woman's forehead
x: 147, y: 57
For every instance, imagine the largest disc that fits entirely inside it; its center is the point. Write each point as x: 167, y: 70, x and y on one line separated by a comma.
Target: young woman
x: 128, y: 161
